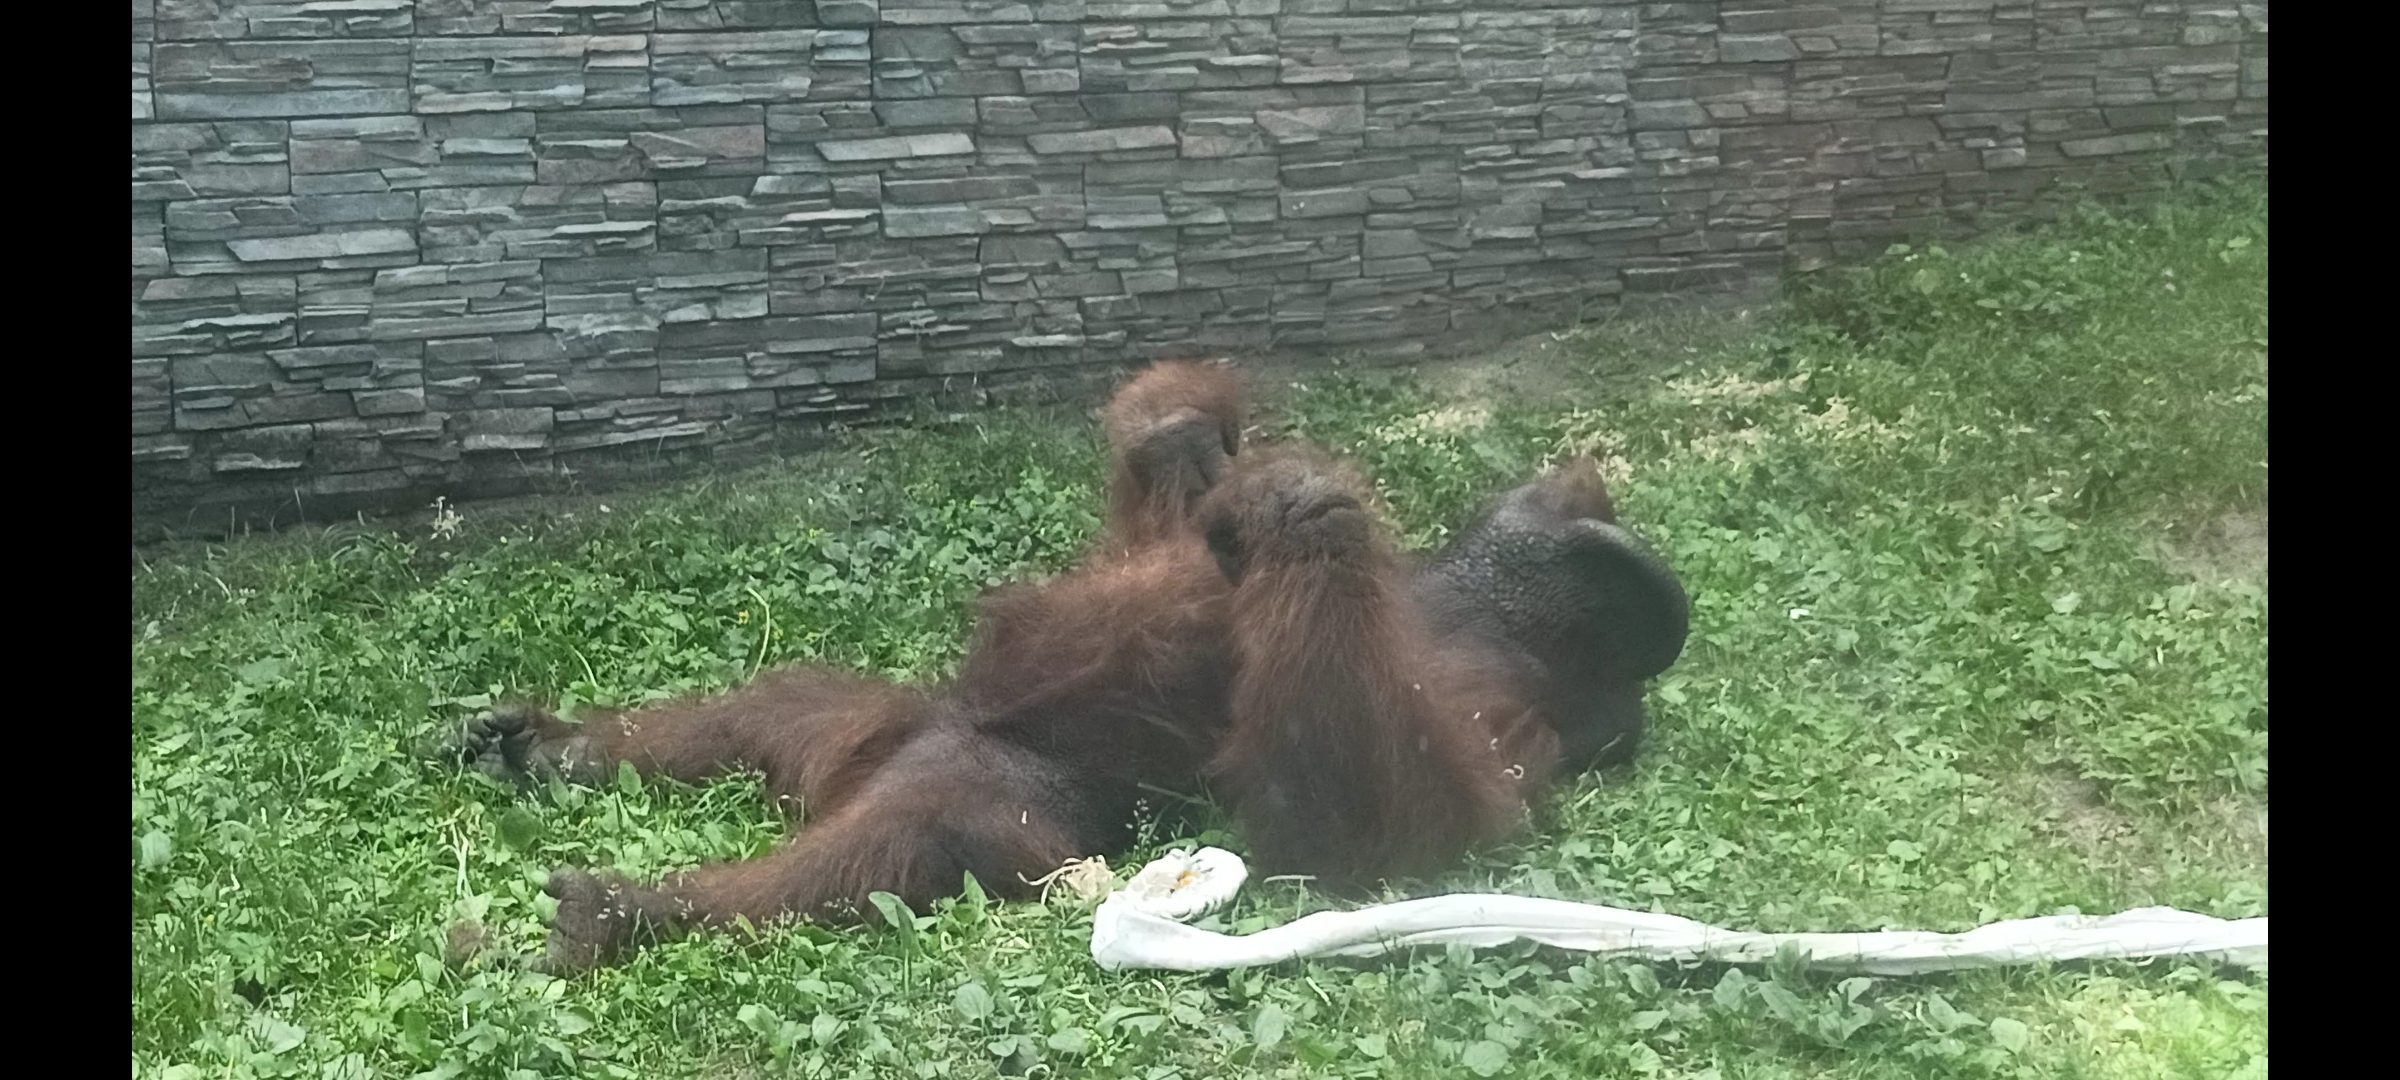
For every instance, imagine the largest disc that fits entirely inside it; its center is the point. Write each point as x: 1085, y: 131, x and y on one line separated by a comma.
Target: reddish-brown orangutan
x: 1243, y: 625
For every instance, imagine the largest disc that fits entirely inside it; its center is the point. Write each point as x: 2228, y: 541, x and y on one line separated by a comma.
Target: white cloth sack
x: 1138, y: 927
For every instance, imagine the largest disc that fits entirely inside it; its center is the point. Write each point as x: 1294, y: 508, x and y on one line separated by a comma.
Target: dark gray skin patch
x: 524, y: 746
x: 1585, y: 606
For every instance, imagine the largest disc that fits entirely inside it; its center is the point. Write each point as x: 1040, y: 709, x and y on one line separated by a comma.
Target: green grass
x: 1940, y: 675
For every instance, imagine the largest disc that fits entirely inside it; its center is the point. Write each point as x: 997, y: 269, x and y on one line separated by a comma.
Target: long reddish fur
x: 1349, y: 744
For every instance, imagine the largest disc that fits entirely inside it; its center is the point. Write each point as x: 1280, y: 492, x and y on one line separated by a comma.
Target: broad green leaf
x: 1071, y: 1040
x: 157, y: 849
x: 520, y: 828
x: 1267, y: 1028
x: 572, y: 1021
x: 972, y: 1001
x: 1484, y: 1058
x: 2010, y: 1034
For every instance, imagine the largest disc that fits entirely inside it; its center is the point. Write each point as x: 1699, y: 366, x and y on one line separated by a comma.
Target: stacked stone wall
x: 385, y: 249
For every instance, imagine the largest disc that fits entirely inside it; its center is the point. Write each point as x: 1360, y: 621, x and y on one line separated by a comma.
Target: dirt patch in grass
x: 1577, y: 366
x: 2222, y: 837
x: 2228, y: 547
x: 2078, y: 811
x: 1602, y: 359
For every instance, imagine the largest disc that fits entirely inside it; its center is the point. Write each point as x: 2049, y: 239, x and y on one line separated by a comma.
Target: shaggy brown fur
x: 1357, y: 748
x: 1244, y: 624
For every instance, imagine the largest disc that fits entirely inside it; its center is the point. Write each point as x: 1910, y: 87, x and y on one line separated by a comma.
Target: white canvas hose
x: 1143, y: 926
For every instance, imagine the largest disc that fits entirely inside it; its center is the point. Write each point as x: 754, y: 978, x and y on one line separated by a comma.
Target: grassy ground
x: 1975, y: 539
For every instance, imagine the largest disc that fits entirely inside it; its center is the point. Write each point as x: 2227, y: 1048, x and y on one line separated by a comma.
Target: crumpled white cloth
x: 1139, y: 927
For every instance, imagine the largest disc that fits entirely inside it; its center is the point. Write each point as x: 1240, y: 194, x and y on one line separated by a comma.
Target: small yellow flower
x: 742, y: 616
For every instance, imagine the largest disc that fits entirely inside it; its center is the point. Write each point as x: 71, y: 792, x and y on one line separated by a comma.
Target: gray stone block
x: 1667, y: 115
x: 846, y: 12
x: 1756, y: 48
x: 238, y: 178
x: 899, y: 221
x: 1332, y: 203
x: 321, y: 246
x: 1285, y: 127
x: 2131, y: 143
x: 487, y: 149
x: 1101, y: 140
x: 204, y: 106
x: 897, y: 146
x: 1121, y: 108
x: 450, y: 326
x: 1051, y: 80
x: 697, y: 147
x: 960, y: 189
x: 351, y: 209
x: 390, y: 402
x: 927, y: 112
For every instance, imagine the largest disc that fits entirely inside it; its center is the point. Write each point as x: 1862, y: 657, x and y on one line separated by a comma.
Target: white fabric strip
x: 1137, y: 927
